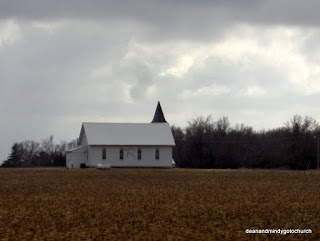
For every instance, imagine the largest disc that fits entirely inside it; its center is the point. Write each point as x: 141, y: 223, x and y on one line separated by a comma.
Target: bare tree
x: 222, y: 126
x: 30, y: 149
x: 47, y: 145
x: 72, y: 144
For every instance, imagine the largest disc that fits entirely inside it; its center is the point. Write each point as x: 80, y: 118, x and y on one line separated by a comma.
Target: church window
x: 139, y: 154
x: 157, y: 153
x: 121, y: 154
x: 104, y: 153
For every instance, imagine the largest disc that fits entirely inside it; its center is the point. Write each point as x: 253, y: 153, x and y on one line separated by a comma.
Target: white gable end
x: 83, y: 138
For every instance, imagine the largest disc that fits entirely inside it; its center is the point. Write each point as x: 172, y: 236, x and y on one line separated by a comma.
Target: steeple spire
x: 158, y: 115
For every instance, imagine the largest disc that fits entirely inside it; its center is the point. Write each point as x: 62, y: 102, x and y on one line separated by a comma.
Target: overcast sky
x: 66, y: 62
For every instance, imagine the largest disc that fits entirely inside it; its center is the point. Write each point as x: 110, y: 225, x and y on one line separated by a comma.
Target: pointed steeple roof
x: 158, y: 115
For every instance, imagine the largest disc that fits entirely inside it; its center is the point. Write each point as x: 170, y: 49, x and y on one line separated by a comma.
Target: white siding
x: 77, y: 156
x: 130, y: 156
x: 83, y: 141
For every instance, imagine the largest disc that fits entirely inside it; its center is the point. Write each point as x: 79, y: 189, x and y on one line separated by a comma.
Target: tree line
x: 39, y: 154
x: 205, y: 143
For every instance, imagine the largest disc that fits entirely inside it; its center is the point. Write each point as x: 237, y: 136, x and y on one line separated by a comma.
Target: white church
x: 124, y: 144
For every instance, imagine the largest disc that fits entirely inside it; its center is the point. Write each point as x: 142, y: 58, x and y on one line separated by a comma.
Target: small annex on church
x: 124, y: 144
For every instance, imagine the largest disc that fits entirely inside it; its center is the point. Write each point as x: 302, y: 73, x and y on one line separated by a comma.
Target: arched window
x: 157, y: 153
x: 121, y: 154
x: 139, y: 154
x: 104, y: 153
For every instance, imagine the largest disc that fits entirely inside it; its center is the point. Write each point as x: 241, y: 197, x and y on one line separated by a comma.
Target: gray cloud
x: 62, y: 63
x: 170, y: 19
x: 286, y: 11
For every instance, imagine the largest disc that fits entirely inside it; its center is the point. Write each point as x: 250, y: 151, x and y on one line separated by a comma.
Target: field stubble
x: 157, y: 204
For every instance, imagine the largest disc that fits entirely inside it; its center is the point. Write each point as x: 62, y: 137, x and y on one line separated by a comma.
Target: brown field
x: 157, y: 204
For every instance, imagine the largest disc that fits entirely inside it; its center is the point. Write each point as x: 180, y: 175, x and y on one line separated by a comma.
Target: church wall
x: 83, y: 141
x: 130, y: 156
x: 76, y: 157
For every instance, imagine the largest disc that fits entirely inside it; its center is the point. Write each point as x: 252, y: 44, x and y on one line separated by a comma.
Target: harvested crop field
x: 157, y: 204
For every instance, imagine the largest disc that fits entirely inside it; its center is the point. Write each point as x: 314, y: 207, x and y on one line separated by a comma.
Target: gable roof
x: 158, y: 115
x: 147, y: 134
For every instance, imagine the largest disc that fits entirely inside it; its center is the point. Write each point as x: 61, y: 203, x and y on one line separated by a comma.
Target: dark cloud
x: 158, y: 21
x: 164, y: 12
x: 141, y: 9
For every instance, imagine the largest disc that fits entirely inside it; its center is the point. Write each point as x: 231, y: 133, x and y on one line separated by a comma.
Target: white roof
x: 148, y: 134
x: 73, y: 149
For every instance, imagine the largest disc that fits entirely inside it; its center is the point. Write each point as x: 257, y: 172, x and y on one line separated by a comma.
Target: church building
x: 124, y: 144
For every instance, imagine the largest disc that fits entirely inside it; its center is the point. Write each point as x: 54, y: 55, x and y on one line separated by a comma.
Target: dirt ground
x: 157, y: 204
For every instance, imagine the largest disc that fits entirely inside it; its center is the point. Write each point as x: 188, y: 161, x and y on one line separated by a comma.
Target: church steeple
x: 158, y: 115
